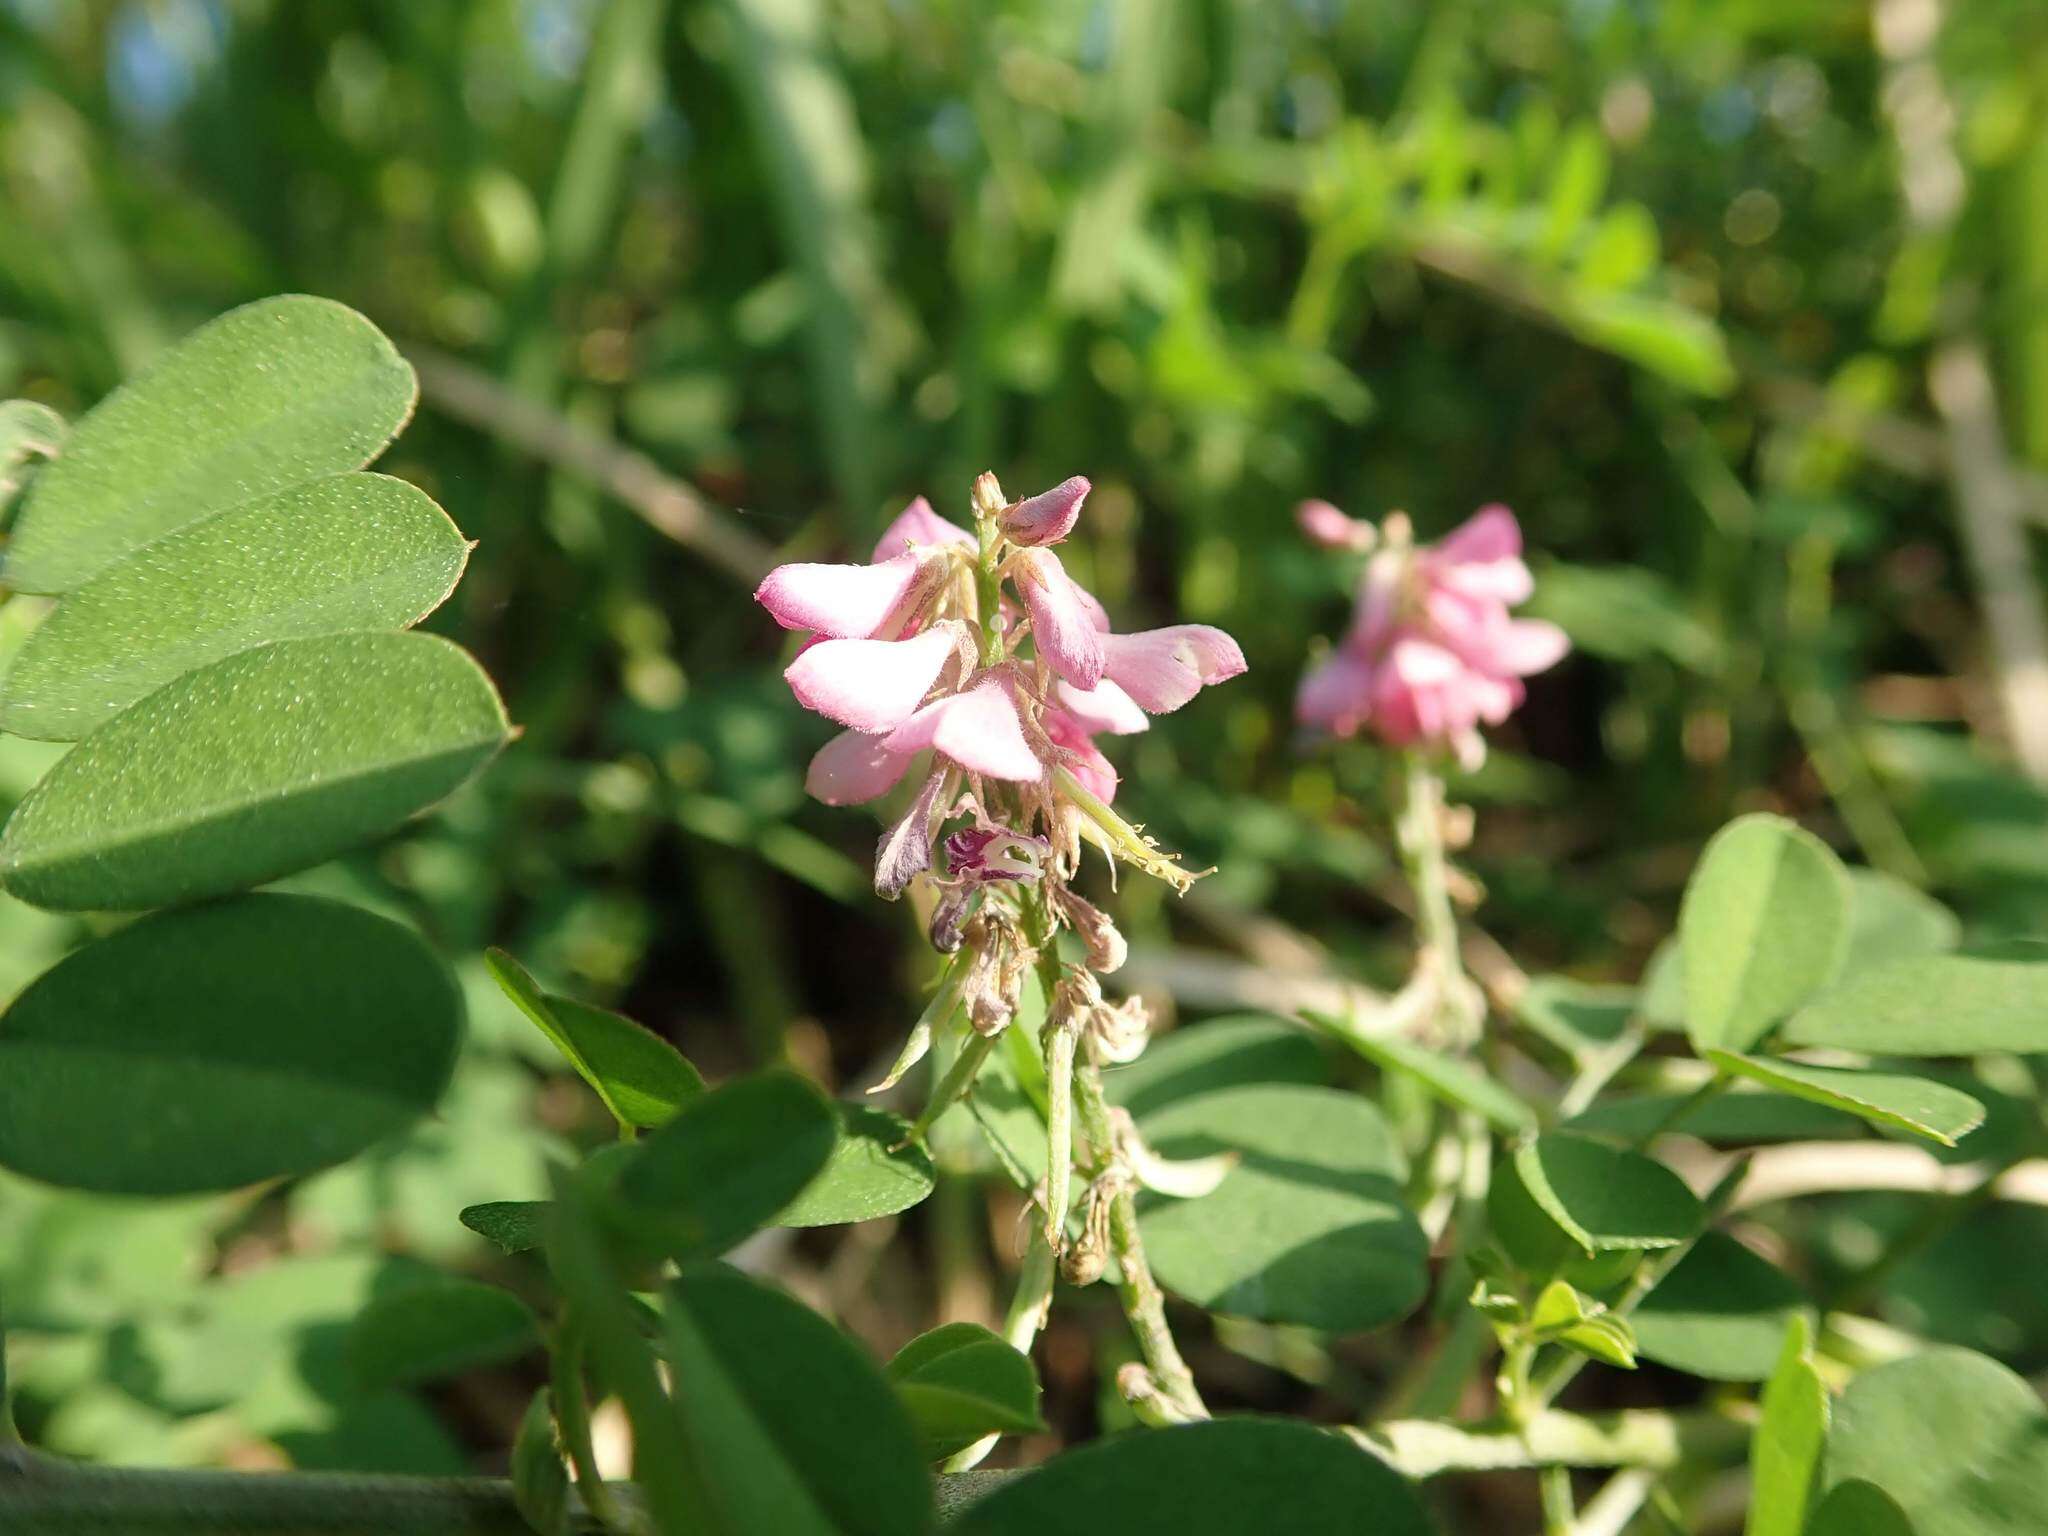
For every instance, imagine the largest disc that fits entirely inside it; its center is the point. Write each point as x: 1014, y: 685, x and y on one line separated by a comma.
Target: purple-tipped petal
x: 1047, y: 517
x: 905, y: 850
x: 1062, y: 624
x: 871, y: 685
x: 1163, y: 668
x: 1105, y: 707
x: 843, y: 601
x: 917, y: 526
x: 978, y: 729
x: 852, y: 769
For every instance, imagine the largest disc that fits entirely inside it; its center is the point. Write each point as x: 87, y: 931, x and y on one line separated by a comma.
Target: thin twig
x: 669, y: 505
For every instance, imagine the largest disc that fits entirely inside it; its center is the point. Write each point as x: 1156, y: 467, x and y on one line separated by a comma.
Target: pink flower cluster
x: 1432, y: 653
x: 897, y: 656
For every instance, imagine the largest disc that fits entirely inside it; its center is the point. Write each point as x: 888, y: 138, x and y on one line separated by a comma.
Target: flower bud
x: 1047, y: 517
x: 1107, y: 950
x: 1322, y: 524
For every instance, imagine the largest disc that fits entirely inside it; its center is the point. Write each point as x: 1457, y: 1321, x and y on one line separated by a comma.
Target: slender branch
x: 1419, y: 829
x: 1632, y: 1437
x: 54, y: 1498
x: 669, y: 505
x: 1026, y: 1317
x: 1144, y: 1303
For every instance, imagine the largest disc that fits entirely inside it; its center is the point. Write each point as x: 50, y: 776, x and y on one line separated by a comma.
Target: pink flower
x: 1323, y: 524
x: 1432, y: 653
x: 901, y: 655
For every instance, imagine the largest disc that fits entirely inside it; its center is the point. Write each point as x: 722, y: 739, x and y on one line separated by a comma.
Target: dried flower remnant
x: 1432, y: 653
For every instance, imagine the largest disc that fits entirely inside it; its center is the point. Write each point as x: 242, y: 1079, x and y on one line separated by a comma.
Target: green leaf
x: 727, y: 1163
x: 1933, y: 1110
x: 1224, y: 1477
x: 1858, y: 1509
x: 873, y: 1171
x: 642, y: 1079
x: 1310, y: 1227
x: 1609, y: 1340
x: 540, y: 1480
x: 350, y: 552
x: 209, y: 1048
x: 251, y: 768
x: 426, y: 1332
x: 1456, y: 1081
x: 1575, y: 1016
x: 1762, y: 927
x: 1739, y: 1115
x: 1931, y: 1005
x: 1624, y: 613
x: 1218, y: 1053
x: 269, y: 395
x: 1721, y: 1313
x: 1957, y: 1441
x: 960, y: 1382
x: 1563, y: 1192
x: 516, y: 1226
x: 1785, y: 1451
x: 786, y: 1425
x: 1891, y: 920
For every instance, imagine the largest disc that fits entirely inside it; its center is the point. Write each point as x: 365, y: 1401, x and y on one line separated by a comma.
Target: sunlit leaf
x: 1929, y: 1109
x: 1762, y: 928
x: 271, y: 394
x: 349, y: 552
x: 250, y: 768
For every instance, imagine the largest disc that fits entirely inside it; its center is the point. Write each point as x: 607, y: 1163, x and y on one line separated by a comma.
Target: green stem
x: 1419, y: 830
x: 959, y: 1079
x: 1560, y: 1514
x: 1631, y: 1437
x: 1059, y: 1129
x: 1144, y: 1303
x: 1706, y: 1093
x: 572, y: 1418
x: 1026, y: 1317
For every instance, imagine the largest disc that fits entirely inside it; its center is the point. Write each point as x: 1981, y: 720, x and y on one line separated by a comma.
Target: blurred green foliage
x: 1640, y: 271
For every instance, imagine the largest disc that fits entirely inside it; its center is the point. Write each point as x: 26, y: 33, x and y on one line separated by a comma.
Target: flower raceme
x: 980, y: 657
x: 1432, y: 652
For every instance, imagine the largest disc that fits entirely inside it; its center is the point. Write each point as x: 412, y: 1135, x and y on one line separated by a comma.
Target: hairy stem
x: 1026, y: 1317
x: 1419, y: 830
x: 572, y: 1419
x: 1144, y: 1303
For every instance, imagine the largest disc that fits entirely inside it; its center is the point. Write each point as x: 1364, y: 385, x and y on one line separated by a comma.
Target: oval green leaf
x: 209, y: 1048
x: 727, y: 1163
x: 1721, y: 1313
x: 785, y: 1424
x: 349, y: 552
x: 430, y: 1331
x: 515, y: 1226
x: 960, y: 1382
x: 274, y: 393
x: 1219, y: 1053
x: 1931, y: 1005
x: 1564, y: 1194
x: 874, y: 1170
x: 1957, y: 1441
x: 1889, y: 920
x: 1762, y: 927
x: 250, y: 768
x: 1934, y: 1110
x: 1220, y: 1478
x: 1858, y: 1509
x: 642, y: 1079
x: 1310, y: 1227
